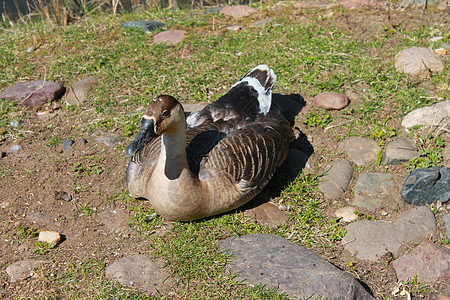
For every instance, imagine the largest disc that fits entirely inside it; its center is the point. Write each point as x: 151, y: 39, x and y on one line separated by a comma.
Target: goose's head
x: 163, y: 114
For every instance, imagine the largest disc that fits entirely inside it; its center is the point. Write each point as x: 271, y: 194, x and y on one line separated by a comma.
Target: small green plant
x: 26, y: 232
x: 364, y: 216
x: 42, y: 247
x: 86, y: 210
x: 54, y: 142
x: 430, y: 149
x: 320, y: 119
x: 78, y: 169
x: 446, y: 241
x: 381, y: 131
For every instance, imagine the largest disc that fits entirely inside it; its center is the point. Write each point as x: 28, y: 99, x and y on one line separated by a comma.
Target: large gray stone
x: 446, y: 219
x: 337, y: 176
x: 80, y: 91
x: 21, y: 270
x: 369, y: 188
x: 33, y: 93
x: 400, y: 150
x: 360, y: 150
x: 434, y: 115
x: 427, y: 186
x: 418, y: 61
x: 370, y: 240
x: 147, y: 26
x: 276, y: 262
x: 143, y: 272
x: 428, y: 261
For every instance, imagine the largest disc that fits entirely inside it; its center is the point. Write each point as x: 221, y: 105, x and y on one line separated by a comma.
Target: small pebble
x: 51, y: 237
x: 82, y: 141
x: 14, y: 123
x: 14, y: 148
x: 67, y: 144
x: 62, y: 196
x: 346, y: 213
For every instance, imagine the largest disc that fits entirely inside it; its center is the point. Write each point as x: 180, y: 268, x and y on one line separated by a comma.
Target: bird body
x: 216, y: 160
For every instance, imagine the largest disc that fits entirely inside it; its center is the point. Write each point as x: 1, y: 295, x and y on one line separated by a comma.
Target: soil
x: 87, y: 222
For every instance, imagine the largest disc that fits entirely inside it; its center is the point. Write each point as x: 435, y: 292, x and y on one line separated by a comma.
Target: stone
x: 23, y: 269
x: 346, y: 213
x: 141, y: 272
x: 400, y: 150
x: 402, y: 4
x: 147, y: 26
x: 434, y: 115
x: 370, y: 240
x: 373, y: 184
x: 238, y: 11
x: 267, y: 214
x: 418, y: 61
x: 446, y: 219
x: 309, y: 4
x: 185, y: 52
x: 38, y: 217
x: 277, y: 262
x: 110, y: 140
x: 82, y: 141
x: 426, y: 186
x: 14, y: 148
x: 359, y: 3
x: 262, y: 22
x: 170, y: 37
x: 67, y: 144
x: 80, y: 91
x: 115, y: 220
x: 33, y: 93
x: 370, y: 203
x: 331, y: 100
x: 61, y: 195
x: 361, y: 151
x: 336, y: 179
x: 234, y: 27
x: 429, y: 262
x: 51, y: 237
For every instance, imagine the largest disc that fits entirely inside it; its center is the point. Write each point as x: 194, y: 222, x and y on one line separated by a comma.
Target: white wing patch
x: 264, y: 99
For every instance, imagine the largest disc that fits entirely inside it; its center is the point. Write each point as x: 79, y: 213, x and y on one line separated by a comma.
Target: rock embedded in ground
x: 38, y: 217
x: 67, y: 144
x: 51, y: 237
x: 400, y: 150
x: 261, y: 23
x: 170, y: 37
x: 360, y: 150
x: 446, y: 219
x: 115, y: 220
x: 109, y: 139
x: 309, y: 4
x: 33, y: 93
x: 336, y: 179
x: 23, y: 269
x: 147, y: 26
x: 346, y: 213
x: 426, y: 186
x: 370, y: 240
x: 331, y: 100
x: 418, y: 61
x: 434, y: 115
x: 238, y: 11
x: 369, y: 188
x: 267, y: 214
x: 80, y: 91
x: 276, y: 262
x: 358, y: 3
x: 142, y: 272
x: 14, y: 148
x: 429, y: 262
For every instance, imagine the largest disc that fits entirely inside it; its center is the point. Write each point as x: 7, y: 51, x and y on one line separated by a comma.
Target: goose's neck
x: 173, y: 152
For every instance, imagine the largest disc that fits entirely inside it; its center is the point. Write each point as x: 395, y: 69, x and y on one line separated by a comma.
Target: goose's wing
x: 251, y: 154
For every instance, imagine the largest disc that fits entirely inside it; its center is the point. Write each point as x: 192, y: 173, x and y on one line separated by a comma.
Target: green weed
x: 25, y: 232
x: 430, y: 149
x: 42, y: 248
x: 319, y: 119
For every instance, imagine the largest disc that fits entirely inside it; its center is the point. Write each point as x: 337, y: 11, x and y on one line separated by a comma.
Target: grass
x: 310, y: 54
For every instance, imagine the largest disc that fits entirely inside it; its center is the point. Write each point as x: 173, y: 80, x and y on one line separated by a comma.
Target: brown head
x: 162, y: 114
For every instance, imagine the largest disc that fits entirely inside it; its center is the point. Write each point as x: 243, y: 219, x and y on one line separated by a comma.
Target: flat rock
x: 262, y: 22
x: 358, y: 3
x: 80, y: 91
x: 370, y: 203
x: 309, y: 4
x: 446, y: 219
x: 360, y: 150
x: 37, y: 217
x: 115, y: 220
x: 434, y: 115
x: 373, y: 183
x: 169, y: 37
x: 337, y: 177
x: 418, y: 61
x: 267, y: 214
x: 414, y: 3
x: 400, y: 150
x: 33, y: 93
x: 276, y: 262
x: 142, y: 272
x: 110, y: 140
x: 428, y: 261
x: 51, y: 237
x: 147, y: 26
x: 346, y: 213
x: 67, y: 144
x: 238, y: 11
x: 23, y: 269
x: 331, y: 100
x: 370, y: 240
x: 14, y: 148
x: 427, y: 186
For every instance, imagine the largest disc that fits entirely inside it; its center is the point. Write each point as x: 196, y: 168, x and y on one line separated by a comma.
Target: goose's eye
x: 165, y: 114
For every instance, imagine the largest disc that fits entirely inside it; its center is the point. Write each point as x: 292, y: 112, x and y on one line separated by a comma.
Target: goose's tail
x: 262, y: 79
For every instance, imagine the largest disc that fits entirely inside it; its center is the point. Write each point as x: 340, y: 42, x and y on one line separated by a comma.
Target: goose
x: 214, y: 161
